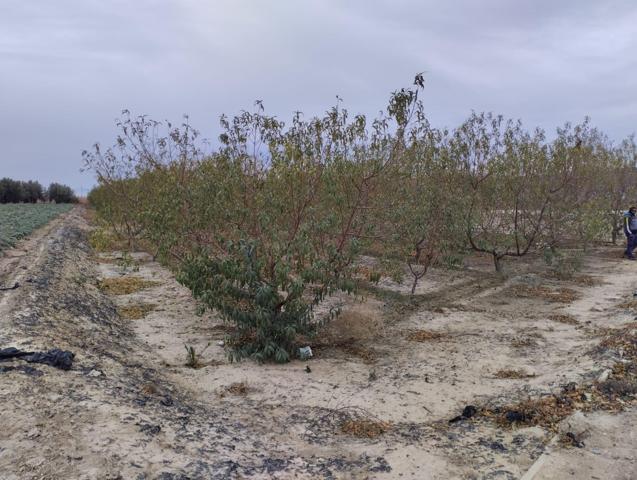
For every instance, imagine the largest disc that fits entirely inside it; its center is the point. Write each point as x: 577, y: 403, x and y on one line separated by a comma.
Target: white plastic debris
x: 576, y: 423
x: 305, y: 353
x: 221, y: 343
x: 94, y: 373
x: 604, y: 376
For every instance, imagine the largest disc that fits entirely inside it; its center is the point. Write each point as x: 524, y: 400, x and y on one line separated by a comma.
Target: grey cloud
x: 68, y: 67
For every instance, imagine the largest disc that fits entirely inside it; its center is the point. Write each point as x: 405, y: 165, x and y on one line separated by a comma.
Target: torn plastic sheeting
x: 12, y: 352
x: 24, y: 369
x: 468, y: 412
x: 15, y: 285
x: 57, y: 358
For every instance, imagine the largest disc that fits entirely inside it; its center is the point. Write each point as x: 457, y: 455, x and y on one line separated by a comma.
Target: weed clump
x: 136, y: 312
x: 618, y: 388
x: 149, y: 389
x: 628, y: 305
x: 364, y: 427
x: 423, y: 335
x: 125, y: 285
x: 366, y: 354
x: 102, y: 240
x: 193, y: 358
x: 548, y: 411
x: 238, y: 388
x: 612, y: 394
x: 559, y: 295
x: 506, y: 373
x: 564, y: 318
x: 564, y: 266
x: 622, y: 340
x: 523, y: 342
x: 586, y: 280
x: 349, y: 346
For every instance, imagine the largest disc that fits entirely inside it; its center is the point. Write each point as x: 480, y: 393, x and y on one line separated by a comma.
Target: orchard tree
x: 581, y: 162
x: 422, y: 203
x: 262, y: 230
x: 143, y: 179
x: 506, y: 173
x: 301, y: 216
x: 620, y: 182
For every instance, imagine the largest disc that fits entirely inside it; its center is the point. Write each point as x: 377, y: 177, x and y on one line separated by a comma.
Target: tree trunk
x: 615, y: 234
x: 418, y: 275
x: 414, y: 284
x: 497, y: 262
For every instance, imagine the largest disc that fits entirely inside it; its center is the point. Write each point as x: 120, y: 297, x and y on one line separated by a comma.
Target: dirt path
x: 130, y: 408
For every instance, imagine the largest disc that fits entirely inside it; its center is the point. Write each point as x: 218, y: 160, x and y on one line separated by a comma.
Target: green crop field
x: 17, y: 220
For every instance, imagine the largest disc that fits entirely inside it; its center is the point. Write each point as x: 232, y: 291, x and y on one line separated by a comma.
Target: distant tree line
x: 17, y: 191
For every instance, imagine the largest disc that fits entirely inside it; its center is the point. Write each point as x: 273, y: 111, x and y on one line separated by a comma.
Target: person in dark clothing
x: 630, y: 230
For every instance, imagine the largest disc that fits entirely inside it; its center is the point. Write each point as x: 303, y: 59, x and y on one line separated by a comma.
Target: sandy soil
x: 130, y: 408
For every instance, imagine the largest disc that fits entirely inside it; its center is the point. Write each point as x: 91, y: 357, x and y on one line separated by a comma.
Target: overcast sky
x: 68, y: 67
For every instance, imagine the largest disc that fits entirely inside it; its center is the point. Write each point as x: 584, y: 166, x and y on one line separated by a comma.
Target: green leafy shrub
x: 564, y: 265
x: 268, y: 311
x: 101, y: 239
